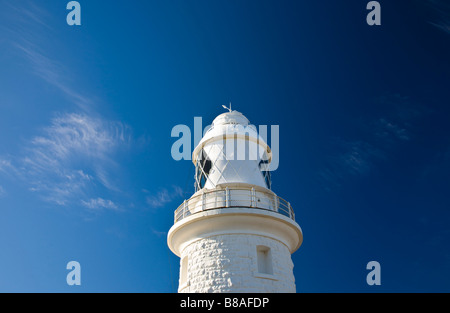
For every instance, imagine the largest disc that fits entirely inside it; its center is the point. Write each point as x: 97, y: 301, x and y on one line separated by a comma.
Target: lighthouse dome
x: 233, y: 117
x: 230, y: 124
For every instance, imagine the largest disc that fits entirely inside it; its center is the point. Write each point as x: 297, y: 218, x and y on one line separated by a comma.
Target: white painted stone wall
x: 228, y: 263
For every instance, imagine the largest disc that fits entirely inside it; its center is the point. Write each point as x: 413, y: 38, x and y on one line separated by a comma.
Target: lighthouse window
x: 264, y: 167
x: 203, y: 167
x: 264, y: 259
x: 207, y: 166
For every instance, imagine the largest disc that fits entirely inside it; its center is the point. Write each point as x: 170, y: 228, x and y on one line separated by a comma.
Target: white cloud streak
x: 164, y: 196
x: 99, y: 204
x: 28, y: 13
x: 73, y: 160
x: 53, y: 73
x: 441, y: 10
x: 357, y: 157
x: 26, y: 29
x: 388, y: 129
x: 70, y: 158
x: 77, y: 134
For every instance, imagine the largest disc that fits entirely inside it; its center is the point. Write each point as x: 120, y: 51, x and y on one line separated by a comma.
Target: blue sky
x: 86, y: 114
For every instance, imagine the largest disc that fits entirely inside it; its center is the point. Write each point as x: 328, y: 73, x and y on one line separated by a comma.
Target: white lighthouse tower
x: 234, y: 234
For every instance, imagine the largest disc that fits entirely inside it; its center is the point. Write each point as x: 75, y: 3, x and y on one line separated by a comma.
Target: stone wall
x: 229, y: 263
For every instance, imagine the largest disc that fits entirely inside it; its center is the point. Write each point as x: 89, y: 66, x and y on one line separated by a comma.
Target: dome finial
x: 228, y: 108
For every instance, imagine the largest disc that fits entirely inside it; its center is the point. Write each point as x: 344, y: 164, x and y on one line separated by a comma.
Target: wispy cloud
x: 75, y: 135
x: 164, y: 196
x: 74, y: 159
x: 26, y: 13
x: 5, y: 165
x: 71, y: 158
x: 52, y: 72
x: 2, y: 191
x: 373, y: 143
x: 100, y: 204
x: 28, y: 32
x: 389, y: 130
x: 160, y: 234
x: 441, y: 14
x: 353, y: 159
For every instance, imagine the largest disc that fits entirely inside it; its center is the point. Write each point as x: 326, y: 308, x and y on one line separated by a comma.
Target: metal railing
x: 232, y: 198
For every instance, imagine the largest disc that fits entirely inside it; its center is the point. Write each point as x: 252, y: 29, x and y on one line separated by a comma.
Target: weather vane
x: 228, y: 108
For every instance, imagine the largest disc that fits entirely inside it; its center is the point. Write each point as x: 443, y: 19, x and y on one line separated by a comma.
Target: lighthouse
x: 234, y: 234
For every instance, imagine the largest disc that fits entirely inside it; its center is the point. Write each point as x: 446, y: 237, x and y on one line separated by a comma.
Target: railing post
x: 227, y: 197
x: 253, y: 203
x: 290, y: 210
x: 215, y: 199
x: 275, y: 201
x: 203, y: 200
x: 184, y: 208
